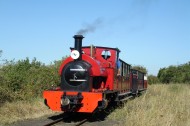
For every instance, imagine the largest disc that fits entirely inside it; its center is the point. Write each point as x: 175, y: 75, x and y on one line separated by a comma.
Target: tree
x: 152, y: 79
x: 140, y: 68
x: 175, y: 74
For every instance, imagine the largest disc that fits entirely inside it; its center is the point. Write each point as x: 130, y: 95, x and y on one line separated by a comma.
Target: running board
x: 125, y: 99
x: 123, y: 94
x: 141, y: 90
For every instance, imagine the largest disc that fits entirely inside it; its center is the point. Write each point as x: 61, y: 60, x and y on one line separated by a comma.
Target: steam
x: 90, y: 27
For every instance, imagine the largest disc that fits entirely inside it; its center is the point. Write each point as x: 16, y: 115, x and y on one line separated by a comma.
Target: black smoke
x: 90, y: 27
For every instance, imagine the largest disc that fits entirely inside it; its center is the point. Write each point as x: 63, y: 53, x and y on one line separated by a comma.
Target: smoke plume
x: 90, y: 27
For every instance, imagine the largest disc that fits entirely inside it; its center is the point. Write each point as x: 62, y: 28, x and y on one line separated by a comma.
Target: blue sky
x: 151, y: 33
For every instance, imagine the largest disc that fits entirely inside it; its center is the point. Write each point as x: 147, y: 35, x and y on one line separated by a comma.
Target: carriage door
x: 134, y: 81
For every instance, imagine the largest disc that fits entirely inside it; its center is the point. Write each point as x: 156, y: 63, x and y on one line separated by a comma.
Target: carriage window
x: 106, y: 54
x: 128, y: 69
x: 125, y: 69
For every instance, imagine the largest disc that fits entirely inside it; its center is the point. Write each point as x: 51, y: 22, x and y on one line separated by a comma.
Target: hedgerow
x: 175, y: 74
x: 26, y: 80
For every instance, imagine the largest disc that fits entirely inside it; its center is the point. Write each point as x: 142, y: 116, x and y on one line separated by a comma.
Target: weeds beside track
x: 161, y: 105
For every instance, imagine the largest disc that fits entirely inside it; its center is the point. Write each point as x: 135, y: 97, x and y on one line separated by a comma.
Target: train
x: 93, y: 77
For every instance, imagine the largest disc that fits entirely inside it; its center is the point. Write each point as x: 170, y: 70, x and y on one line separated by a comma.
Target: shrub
x: 152, y: 79
x: 24, y: 80
x: 175, y: 74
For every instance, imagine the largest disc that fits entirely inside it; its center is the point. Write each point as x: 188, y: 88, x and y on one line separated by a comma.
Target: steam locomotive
x: 93, y: 77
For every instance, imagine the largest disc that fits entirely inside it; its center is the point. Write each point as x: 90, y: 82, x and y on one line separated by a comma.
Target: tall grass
x: 11, y: 112
x: 161, y: 105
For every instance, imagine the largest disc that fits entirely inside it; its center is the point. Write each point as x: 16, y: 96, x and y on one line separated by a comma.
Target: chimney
x: 78, y: 44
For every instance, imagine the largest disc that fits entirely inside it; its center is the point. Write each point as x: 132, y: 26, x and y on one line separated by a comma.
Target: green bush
x: 175, y: 74
x: 152, y: 79
x: 25, y: 79
x: 140, y: 68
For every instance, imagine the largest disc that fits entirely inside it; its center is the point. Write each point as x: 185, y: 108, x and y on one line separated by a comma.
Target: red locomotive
x: 91, y: 78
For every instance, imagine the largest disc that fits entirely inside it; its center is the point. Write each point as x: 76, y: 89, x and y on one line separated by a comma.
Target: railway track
x: 82, y: 122
x: 65, y: 118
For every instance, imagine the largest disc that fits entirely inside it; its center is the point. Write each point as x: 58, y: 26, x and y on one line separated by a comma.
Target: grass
x: 20, y: 110
x: 161, y: 105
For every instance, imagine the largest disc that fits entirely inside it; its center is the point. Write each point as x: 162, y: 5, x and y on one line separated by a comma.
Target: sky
x: 150, y: 33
